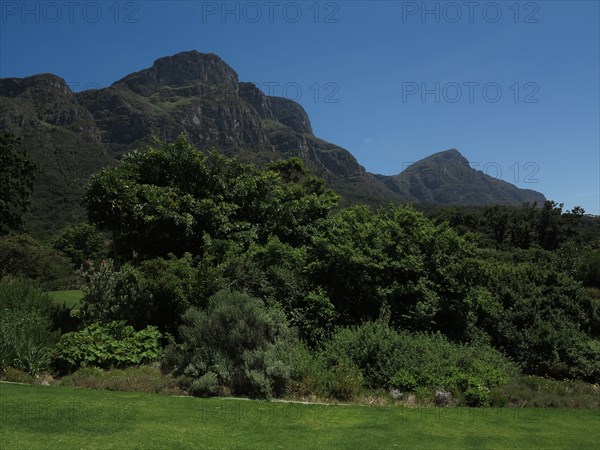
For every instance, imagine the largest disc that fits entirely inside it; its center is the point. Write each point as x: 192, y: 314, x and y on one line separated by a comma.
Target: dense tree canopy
x: 164, y: 200
x: 17, y: 176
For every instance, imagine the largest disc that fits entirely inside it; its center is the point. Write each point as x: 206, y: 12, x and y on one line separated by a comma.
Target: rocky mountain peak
x: 46, y: 83
x: 182, y: 69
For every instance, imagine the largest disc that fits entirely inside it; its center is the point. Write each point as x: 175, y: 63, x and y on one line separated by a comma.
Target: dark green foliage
x: 547, y: 321
x: 164, y: 200
x: 25, y: 327
x: 112, y: 345
x: 17, y: 176
x: 235, y: 344
x: 395, y: 258
x: 23, y: 256
x: 110, y: 294
x: 413, y: 362
x: 588, y: 268
x: 313, y: 374
x: 156, y: 293
x: 546, y: 226
x: 81, y: 243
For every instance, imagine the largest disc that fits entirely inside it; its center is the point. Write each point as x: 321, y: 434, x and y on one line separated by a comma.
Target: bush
x: 238, y: 339
x: 548, y: 323
x: 533, y: 391
x: 131, y: 379
x: 346, y: 381
x: 25, y: 327
x: 313, y: 374
x: 157, y: 293
x: 80, y: 243
x: 112, y: 345
x: 421, y: 362
x: 22, y: 256
x: 205, y: 386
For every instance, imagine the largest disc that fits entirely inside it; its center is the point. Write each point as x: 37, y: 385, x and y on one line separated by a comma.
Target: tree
x: 22, y: 256
x: 167, y: 199
x: 395, y: 258
x: 17, y: 176
x: 80, y: 243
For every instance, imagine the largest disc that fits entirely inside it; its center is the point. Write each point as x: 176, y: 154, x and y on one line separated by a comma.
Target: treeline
x: 254, y: 282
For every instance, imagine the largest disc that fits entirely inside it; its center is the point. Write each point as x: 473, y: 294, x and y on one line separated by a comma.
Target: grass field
x: 69, y: 298
x: 61, y: 417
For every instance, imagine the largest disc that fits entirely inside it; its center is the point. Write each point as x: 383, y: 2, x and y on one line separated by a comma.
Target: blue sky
x: 513, y: 85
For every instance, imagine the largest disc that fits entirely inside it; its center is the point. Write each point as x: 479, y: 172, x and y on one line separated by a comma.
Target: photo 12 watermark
x: 517, y: 172
x: 470, y: 92
x: 249, y: 413
x: 317, y: 92
x: 70, y: 413
x: 270, y: 12
x: 471, y: 12
x: 69, y: 12
x: 78, y: 86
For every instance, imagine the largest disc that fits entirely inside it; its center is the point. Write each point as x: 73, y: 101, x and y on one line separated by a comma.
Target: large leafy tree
x: 17, y: 176
x: 396, y: 259
x: 167, y: 199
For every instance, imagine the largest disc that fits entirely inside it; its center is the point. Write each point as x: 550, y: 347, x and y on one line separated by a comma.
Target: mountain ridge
x: 198, y: 94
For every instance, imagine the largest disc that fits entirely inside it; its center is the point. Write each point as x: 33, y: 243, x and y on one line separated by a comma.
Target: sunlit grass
x: 72, y: 299
x: 62, y: 417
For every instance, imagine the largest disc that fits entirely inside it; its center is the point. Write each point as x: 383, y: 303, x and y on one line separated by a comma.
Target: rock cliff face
x: 62, y: 136
x: 73, y: 135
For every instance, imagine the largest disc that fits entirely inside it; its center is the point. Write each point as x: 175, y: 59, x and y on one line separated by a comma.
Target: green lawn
x: 69, y: 298
x: 61, y: 417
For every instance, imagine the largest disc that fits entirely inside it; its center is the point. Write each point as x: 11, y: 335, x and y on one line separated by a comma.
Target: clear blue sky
x: 528, y: 72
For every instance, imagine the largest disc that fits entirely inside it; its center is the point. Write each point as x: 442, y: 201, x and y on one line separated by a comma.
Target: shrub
x: 420, y: 362
x: 80, y: 243
x: 131, y: 379
x: 25, y: 327
x: 205, y: 386
x: 346, y: 381
x: 314, y: 374
x: 238, y: 339
x: 22, y: 256
x: 477, y: 396
x: 157, y: 293
x: 16, y: 376
x: 533, y: 391
x: 548, y: 322
x: 112, y: 345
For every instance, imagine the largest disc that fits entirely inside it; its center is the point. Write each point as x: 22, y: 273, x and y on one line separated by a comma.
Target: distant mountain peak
x: 451, y: 156
x: 448, y: 178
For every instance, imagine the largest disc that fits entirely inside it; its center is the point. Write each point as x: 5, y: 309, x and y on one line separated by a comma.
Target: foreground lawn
x: 61, y: 417
x: 69, y: 298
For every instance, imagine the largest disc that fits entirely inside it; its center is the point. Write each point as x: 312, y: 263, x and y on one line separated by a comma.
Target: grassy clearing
x: 70, y: 298
x: 63, y: 417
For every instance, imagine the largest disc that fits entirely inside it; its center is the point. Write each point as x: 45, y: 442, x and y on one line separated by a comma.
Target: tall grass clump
x: 26, y: 335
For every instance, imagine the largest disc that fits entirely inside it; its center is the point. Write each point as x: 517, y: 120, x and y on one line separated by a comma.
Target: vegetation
x: 235, y: 345
x: 17, y: 176
x: 26, y: 337
x: 253, y: 282
x: 41, y: 417
x: 112, y: 345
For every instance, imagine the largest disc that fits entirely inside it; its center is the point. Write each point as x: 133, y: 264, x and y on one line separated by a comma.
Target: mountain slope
x: 199, y: 95
x: 446, y: 178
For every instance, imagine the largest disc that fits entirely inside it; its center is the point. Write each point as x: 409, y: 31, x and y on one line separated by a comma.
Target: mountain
x: 446, y: 178
x: 73, y: 135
